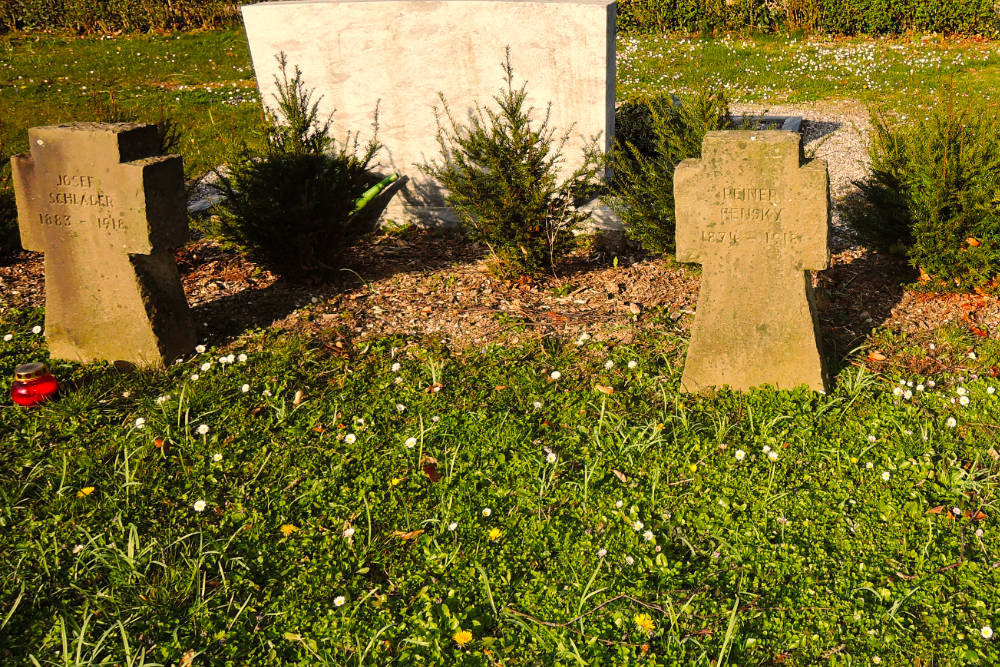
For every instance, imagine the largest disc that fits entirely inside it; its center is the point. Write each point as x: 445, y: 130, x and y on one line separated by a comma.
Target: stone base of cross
x: 106, y: 210
x: 756, y: 217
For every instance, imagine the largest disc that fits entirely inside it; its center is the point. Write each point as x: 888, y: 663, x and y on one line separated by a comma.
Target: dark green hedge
x: 847, y: 17
x: 108, y: 16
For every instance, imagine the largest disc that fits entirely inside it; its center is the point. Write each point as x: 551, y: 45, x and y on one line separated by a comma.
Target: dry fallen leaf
x: 432, y: 472
x: 297, y: 398
x: 188, y: 658
x: 973, y: 241
x: 876, y: 356
x: 407, y: 535
x: 936, y: 510
x: 620, y: 475
x: 604, y: 390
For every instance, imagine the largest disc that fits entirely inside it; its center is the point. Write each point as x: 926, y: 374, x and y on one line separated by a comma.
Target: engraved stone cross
x: 106, y: 210
x: 756, y: 217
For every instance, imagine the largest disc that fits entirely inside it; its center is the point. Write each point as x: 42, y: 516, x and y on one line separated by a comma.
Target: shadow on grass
x: 855, y: 299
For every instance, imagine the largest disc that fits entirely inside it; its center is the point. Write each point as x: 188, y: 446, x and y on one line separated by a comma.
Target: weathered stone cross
x: 106, y: 210
x: 757, y: 218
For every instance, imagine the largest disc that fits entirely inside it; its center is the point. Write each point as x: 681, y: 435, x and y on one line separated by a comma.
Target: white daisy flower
x: 200, y: 349
x: 199, y: 505
x: 551, y: 457
x: 931, y: 383
x: 8, y: 337
x: 266, y: 392
x: 907, y: 394
x: 339, y: 601
x: 869, y: 465
x: 766, y: 449
x: 886, y: 475
x: 435, y: 419
x: 740, y: 454
x: 638, y: 525
x: 395, y: 367
x: 972, y: 355
x: 223, y: 359
x: 487, y: 511
x: 203, y: 429
x: 230, y: 358
x: 77, y: 549
x: 602, y: 552
x: 609, y: 364
x: 537, y: 405
x: 629, y: 560
x: 245, y: 388
x: 348, y: 532
x: 964, y: 400
x: 194, y: 377
x: 350, y: 438
x: 773, y: 455
x: 871, y: 438
x: 896, y: 391
x: 400, y: 407
x: 956, y: 511
x: 140, y: 422
x: 632, y: 364
x: 205, y: 366
x: 619, y: 504
x: 160, y: 400
x: 36, y: 329
x: 242, y: 357
x: 555, y: 375
x: 217, y: 457
x: 453, y: 526
x: 648, y: 536
x: 410, y: 443
x: 951, y: 422
x: 919, y: 387
x: 960, y: 391
x: 986, y: 632
x: 991, y: 390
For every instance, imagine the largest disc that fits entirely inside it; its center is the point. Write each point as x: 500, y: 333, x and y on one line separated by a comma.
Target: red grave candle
x: 33, y: 384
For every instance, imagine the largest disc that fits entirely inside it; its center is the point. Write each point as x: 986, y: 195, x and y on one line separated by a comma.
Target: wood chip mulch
x: 437, y: 284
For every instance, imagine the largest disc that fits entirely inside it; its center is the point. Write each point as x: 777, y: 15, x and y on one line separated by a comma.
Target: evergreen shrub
x: 291, y: 205
x: 10, y: 239
x: 934, y: 194
x: 653, y: 136
x: 501, y: 174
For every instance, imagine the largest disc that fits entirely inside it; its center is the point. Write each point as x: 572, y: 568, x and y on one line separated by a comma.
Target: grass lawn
x: 291, y: 500
x: 363, y: 504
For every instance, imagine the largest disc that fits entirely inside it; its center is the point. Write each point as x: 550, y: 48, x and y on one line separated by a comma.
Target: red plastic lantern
x: 33, y: 384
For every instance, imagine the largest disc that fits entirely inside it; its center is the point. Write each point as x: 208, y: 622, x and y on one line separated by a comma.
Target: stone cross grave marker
x: 756, y: 217
x: 106, y: 210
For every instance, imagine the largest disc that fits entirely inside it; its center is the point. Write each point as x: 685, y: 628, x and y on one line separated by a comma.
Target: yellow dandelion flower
x: 396, y: 481
x: 288, y: 529
x: 85, y: 491
x: 644, y: 622
x: 462, y: 637
x: 658, y: 427
x: 494, y: 534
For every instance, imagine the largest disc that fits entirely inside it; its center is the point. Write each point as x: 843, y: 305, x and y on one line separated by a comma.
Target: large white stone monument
x: 399, y: 54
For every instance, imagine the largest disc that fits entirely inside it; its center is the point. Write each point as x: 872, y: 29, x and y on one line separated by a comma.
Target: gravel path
x: 838, y: 133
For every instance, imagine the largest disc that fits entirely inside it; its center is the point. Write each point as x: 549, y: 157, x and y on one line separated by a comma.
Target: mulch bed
x: 437, y: 284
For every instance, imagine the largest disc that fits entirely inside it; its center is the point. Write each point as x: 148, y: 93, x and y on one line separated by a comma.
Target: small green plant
x: 291, y: 205
x: 501, y: 174
x: 656, y: 134
x: 934, y: 194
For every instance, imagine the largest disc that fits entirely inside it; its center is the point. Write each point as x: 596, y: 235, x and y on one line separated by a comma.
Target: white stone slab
x: 399, y: 54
